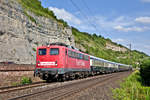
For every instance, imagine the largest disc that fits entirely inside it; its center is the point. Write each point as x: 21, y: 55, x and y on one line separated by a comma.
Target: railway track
x: 62, y: 91
x: 21, y: 87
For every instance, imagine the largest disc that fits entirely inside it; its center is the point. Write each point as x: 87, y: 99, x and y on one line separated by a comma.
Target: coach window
x: 42, y: 52
x: 54, y: 51
x: 86, y: 57
x: 69, y: 53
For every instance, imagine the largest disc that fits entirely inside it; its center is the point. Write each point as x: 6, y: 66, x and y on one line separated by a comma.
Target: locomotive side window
x: 78, y: 56
x: 86, y: 57
x: 54, y: 51
x: 42, y: 52
x: 81, y: 56
x: 69, y: 53
x: 75, y: 54
x: 72, y: 54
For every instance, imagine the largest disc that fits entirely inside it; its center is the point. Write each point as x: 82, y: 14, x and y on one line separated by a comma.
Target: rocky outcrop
x: 19, y: 36
x: 115, y: 47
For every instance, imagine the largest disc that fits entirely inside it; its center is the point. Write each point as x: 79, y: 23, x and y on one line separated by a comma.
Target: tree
x: 145, y: 72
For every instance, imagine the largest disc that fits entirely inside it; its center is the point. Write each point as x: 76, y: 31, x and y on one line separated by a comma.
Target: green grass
x: 26, y: 80
x: 132, y: 89
x: 30, y: 17
x: 36, y: 7
x: 15, y: 84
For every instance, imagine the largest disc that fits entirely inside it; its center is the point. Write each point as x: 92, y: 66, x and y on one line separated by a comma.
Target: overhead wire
x: 84, y: 15
x: 90, y: 11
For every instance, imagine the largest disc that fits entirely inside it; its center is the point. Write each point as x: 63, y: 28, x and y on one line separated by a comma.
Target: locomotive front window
x: 54, y: 51
x: 42, y: 51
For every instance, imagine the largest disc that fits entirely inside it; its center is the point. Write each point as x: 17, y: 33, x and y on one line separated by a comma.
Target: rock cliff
x: 115, y: 47
x: 19, y: 36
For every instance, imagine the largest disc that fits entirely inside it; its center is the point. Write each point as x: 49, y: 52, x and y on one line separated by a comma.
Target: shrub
x: 26, y: 80
x: 33, y: 49
x: 145, y: 72
x: 132, y: 89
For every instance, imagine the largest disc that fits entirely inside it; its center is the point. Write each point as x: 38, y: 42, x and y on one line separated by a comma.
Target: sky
x: 123, y: 21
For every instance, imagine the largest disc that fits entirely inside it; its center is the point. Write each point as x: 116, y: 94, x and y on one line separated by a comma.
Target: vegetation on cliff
x: 36, y: 7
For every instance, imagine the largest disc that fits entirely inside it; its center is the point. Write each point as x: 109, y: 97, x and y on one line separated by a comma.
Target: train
x: 59, y: 61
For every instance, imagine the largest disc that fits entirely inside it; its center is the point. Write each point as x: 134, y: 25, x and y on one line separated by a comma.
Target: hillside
x: 106, y: 49
x: 32, y: 25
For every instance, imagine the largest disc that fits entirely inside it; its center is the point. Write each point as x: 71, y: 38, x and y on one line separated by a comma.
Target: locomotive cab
x: 49, y: 62
x: 47, y: 57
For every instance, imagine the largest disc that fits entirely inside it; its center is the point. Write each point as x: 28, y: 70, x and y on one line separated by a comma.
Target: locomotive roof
x: 63, y: 45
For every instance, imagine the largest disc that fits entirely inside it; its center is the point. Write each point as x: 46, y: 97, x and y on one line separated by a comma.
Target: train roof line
x: 107, y: 60
x: 68, y: 46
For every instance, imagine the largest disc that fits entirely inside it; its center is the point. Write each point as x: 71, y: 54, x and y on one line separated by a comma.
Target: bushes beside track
x: 145, y: 72
x: 132, y: 89
x: 26, y: 80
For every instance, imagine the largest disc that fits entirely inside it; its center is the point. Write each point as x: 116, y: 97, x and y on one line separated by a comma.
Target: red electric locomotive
x: 59, y: 61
